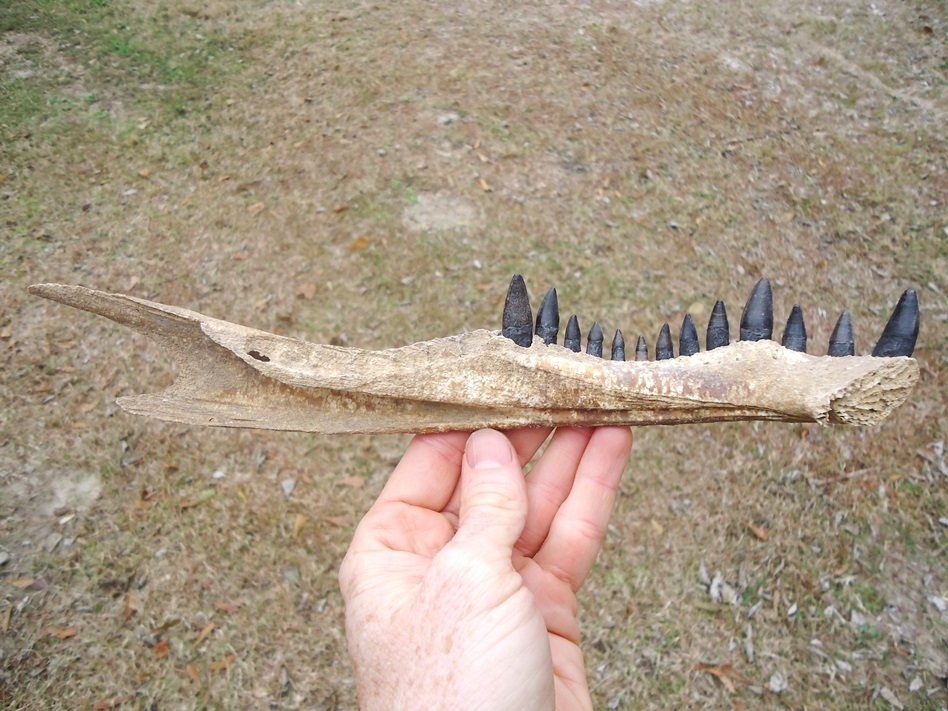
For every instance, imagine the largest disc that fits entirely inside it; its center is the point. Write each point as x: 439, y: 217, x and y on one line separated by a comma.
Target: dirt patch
x: 440, y: 212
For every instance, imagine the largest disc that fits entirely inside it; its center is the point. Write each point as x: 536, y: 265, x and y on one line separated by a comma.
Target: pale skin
x: 461, y: 580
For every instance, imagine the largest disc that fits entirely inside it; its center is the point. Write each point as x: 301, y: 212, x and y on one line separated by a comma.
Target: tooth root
x: 573, y: 336
x: 900, y: 333
x: 757, y: 321
x: 641, y: 349
x: 718, y: 328
x: 842, y: 342
x: 794, y: 335
x: 688, y: 337
x: 618, y: 346
x: 548, y: 318
x: 518, y: 318
x: 594, y: 341
x: 664, y: 350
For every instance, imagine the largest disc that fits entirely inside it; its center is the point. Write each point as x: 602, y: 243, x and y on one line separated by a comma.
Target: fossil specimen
x: 233, y: 376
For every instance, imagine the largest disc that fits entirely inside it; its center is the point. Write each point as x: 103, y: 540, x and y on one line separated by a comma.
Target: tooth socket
x: 518, y: 317
x: 664, y: 350
x: 641, y: 349
x: 757, y: 321
x: 618, y: 346
x: 573, y: 336
x: 548, y: 318
x: 688, y: 337
x: 594, y: 341
x: 901, y: 331
x: 842, y: 342
x: 794, y: 335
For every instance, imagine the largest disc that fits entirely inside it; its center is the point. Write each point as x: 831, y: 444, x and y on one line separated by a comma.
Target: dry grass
x: 270, y: 163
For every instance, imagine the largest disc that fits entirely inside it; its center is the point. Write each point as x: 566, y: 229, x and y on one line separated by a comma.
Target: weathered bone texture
x: 233, y: 376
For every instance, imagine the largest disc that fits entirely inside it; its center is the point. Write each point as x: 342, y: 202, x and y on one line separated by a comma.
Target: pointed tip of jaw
x: 842, y: 342
x: 641, y: 349
x: 901, y: 331
x: 548, y: 318
x: 794, y: 335
x: 757, y: 321
x: 572, y: 336
x: 718, y: 334
x: 688, y: 337
x: 518, y: 317
x: 664, y: 350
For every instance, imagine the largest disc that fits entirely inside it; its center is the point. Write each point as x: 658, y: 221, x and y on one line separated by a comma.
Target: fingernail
x: 487, y: 449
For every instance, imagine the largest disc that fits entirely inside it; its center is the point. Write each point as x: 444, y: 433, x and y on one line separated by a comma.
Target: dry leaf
x: 726, y: 674
x: 5, y: 625
x: 162, y: 649
x: 223, y: 663
x: 306, y: 291
x: 192, y: 671
x: 298, y: 524
x: 485, y: 187
x: 761, y: 533
x: 340, y: 208
x: 356, y: 482
x: 358, y: 244
x: 204, y: 633
x: 6, y: 332
x: 88, y: 407
x: 104, y: 704
x: 228, y: 607
x: 657, y: 527
x: 341, y: 521
x: 240, y: 256
x: 256, y: 208
x: 205, y: 495
x: 62, y: 632
x: 131, y: 604
x: 23, y: 582
x: 144, y: 173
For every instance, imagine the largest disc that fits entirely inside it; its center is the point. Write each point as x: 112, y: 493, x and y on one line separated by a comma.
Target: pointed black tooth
x: 688, y: 337
x: 900, y: 333
x: 718, y: 328
x: 663, y: 347
x: 573, y: 336
x: 842, y: 342
x: 618, y: 346
x: 548, y: 318
x: 757, y: 321
x: 794, y: 335
x: 641, y: 349
x: 594, y: 341
x: 518, y: 318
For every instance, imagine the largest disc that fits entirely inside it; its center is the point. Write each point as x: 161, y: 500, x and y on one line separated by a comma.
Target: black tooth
x: 757, y: 321
x: 688, y: 337
x: 842, y: 342
x: 794, y: 335
x: 641, y: 349
x: 518, y: 318
x: 618, y: 346
x: 594, y: 341
x: 573, y: 336
x: 548, y: 318
x: 900, y: 333
x: 663, y: 347
x: 718, y: 328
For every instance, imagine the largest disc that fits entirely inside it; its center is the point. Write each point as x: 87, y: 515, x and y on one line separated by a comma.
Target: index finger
x: 428, y: 472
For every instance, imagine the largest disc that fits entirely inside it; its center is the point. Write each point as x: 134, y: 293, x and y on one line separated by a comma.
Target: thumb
x: 493, y: 493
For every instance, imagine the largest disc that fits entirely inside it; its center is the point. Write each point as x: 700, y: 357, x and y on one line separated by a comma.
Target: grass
x: 137, y: 141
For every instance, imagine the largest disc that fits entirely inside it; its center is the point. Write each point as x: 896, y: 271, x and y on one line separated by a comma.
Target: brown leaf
x: 131, y: 604
x: 306, y: 291
x: 340, y: 208
x: 6, y: 332
x: 162, y: 649
x: 341, y: 521
x: 229, y: 607
x: 5, y: 624
x: 223, y: 663
x: 204, y: 633
x: 62, y: 632
x: 726, y: 674
x: 298, y: 524
x: 256, y: 208
x: 761, y: 533
x: 356, y: 482
x: 485, y: 187
x: 23, y: 582
x: 358, y: 244
x: 240, y: 256
x: 192, y: 671
x: 105, y: 704
x: 657, y: 527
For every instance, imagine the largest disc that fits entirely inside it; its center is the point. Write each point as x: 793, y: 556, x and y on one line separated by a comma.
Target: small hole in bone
x: 257, y: 355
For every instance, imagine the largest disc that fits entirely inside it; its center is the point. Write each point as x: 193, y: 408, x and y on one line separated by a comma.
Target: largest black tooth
x: 618, y: 346
x: 900, y: 333
x: 594, y: 341
x: 641, y: 349
x: 794, y: 335
x: 663, y: 347
x: 518, y: 317
x: 688, y: 337
x: 718, y: 329
x: 757, y: 321
x: 842, y: 343
x: 548, y: 318
x: 572, y: 337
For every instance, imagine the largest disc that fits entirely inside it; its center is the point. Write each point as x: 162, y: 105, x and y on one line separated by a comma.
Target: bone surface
x: 234, y: 376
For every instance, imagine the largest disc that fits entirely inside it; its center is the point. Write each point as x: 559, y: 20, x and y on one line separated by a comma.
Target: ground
x: 372, y: 174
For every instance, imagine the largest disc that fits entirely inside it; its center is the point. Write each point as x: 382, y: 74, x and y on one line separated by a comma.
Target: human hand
x: 460, y: 583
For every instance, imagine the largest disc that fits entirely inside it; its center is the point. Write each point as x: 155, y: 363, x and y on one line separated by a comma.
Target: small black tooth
x: 618, y: 346
x: 688, y: 337
x: 757, y: 321
x: 641, y: 349
x: 548, y: 318
x: 794, y: 335
x: 518, y: 318
x: 718, y: 328
x: 594, y: 341
x: 900, y: 333
x: 663, y: 347
x: 842, y: 342
x: 573, y: 336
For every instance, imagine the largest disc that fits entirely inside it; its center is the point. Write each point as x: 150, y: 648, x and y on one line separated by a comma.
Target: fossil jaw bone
x: 233, y: 376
